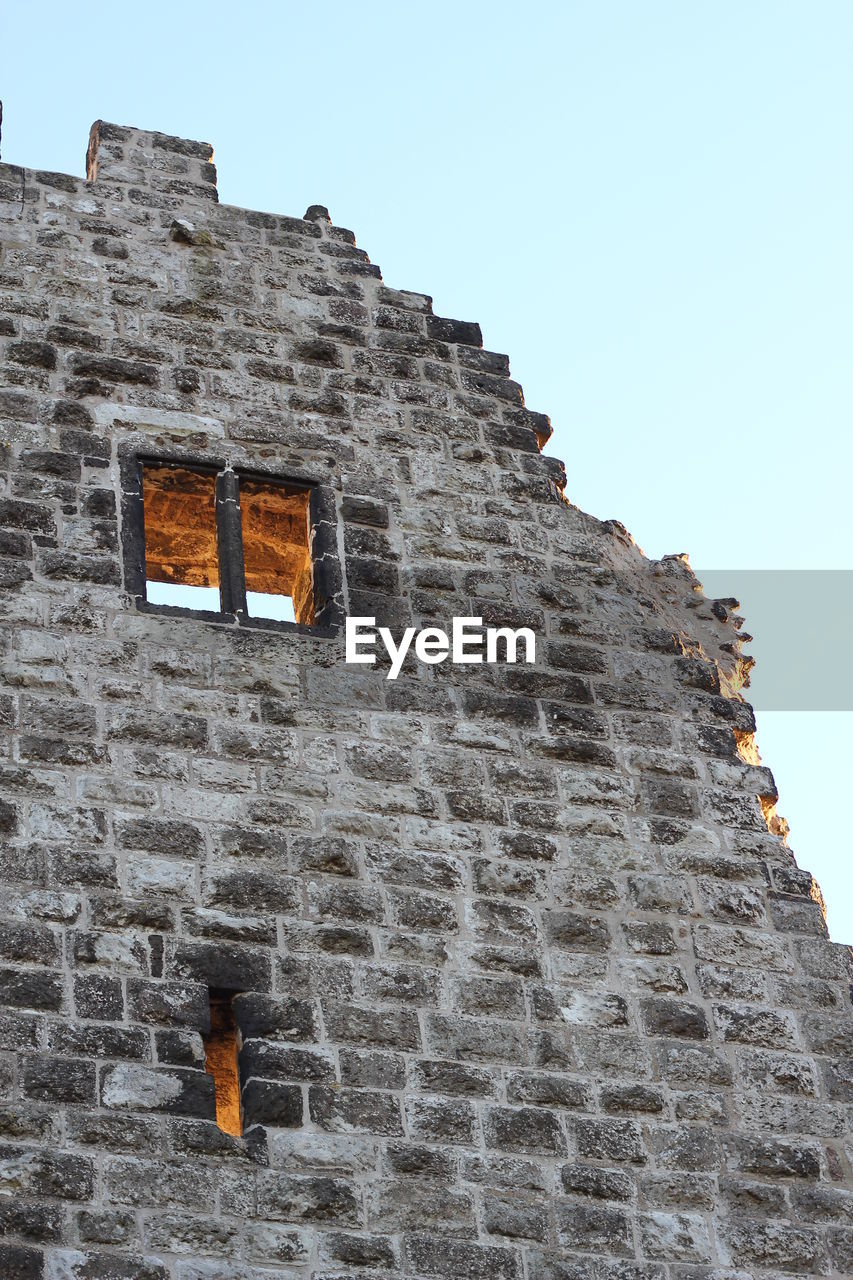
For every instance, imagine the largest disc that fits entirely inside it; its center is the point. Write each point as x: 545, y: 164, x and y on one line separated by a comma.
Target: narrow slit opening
x: 221, y: 1047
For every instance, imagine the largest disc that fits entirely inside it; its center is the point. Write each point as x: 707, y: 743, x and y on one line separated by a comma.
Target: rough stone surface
x: 532, y: 988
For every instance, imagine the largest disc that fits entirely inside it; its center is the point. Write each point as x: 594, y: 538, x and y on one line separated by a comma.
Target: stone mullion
x: 232, y: 573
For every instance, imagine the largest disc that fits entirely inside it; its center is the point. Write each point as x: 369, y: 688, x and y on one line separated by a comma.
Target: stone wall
x: 532, y: 988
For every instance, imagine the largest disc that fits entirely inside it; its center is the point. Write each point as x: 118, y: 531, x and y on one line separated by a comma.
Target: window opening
x: 264, y: 604
x: 227, y: 543
x: 276, y: 551
x: 181, y: 561
x: 221, y: 1048
x: 175, y: 593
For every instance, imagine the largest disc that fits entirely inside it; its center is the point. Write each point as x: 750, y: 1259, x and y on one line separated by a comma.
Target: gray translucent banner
x: 801, y: 621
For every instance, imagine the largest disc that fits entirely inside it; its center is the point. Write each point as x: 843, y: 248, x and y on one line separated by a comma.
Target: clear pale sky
x: 647, y: 204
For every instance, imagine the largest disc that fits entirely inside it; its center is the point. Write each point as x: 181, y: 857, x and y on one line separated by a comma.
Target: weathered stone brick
x: 635, y: 1097
x: 21, y: 1263
x: 52, y: 1079
x: 690, y: 1064
x: 774, y: 1246
x: 31, y: 943
x: 434, y: 1256
x: 41, y: 1173
x: 514, y: 1218
x: 786, y: 1072
x: 755, y: 1026
x: 269, y: 1103
x: 549, y: 1090
x: 130, y: 1087
x: 349, y: 1110
x: 98, y: 996
x: 672, y: 1237
x: 686, y: 1147
x: 454, y: 1078
x: 284, y: 1062
x: 112, y: 369
x: 525, y: 1129
x: 178, y: 839
x: 408, y: 1160
x: 32, y: 990
x: 36, y: 1222
x: 367, y: 1069
x: 570, y: 931
x: 676, y: 1018
x: 230, y: 966
x: 335, y: 940
x: 104, y: 1266
x: 358, y: 1250
x: 308, y: 1199
x: 355, y: 1025
x: 609, y: 1140
x: 586, y: 1008
x: 776, y: 1158
x: 602, y: 1184
x: 441, y: 1120
x: 649, y: 937
x: 275, y: 1019
x: 501, y: 998
x: 470, y: 1040
x: 597, y: 1228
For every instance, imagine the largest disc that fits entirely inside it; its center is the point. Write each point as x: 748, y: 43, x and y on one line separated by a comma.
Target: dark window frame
x: 326, y: 570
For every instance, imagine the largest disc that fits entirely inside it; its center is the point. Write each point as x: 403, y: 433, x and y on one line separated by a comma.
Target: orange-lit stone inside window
x: 220, y: 1047
x: 276, y: 550
x: 180, y: 526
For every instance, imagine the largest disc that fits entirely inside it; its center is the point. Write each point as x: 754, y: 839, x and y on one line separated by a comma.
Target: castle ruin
x: 493, y: 971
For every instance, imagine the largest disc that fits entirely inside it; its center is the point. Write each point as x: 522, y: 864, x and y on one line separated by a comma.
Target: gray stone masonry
x: 532, y: 988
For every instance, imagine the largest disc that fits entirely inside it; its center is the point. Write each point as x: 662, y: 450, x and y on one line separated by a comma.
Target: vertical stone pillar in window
x: 232, y: 575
